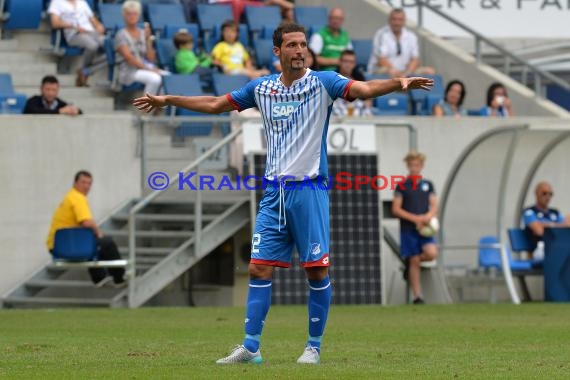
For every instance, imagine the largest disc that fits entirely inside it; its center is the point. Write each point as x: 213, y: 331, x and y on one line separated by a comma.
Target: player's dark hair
x: 463, y: 91
x: 284, y: 28
x: 49, y: 79
x: 491, y: 90
x: 81, y: 173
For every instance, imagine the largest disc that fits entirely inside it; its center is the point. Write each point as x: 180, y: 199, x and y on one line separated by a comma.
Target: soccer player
x: 295, y: 106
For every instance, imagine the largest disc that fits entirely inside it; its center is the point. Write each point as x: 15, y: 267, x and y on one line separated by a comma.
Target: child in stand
x: 186, y: 62
x: 231, y: 55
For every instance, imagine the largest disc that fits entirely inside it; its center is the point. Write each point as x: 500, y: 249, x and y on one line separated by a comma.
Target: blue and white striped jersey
x: 295, y: 119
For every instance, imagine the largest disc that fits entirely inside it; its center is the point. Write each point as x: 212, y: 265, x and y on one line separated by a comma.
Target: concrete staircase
x: 164, y: 251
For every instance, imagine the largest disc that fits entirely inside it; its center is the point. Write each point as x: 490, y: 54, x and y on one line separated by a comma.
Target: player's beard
x: 297, y: 64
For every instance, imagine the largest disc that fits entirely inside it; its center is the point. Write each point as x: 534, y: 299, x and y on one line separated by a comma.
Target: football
x: 430, y: 229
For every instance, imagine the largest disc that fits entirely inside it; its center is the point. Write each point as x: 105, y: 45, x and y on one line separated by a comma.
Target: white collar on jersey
x: 307, y: 71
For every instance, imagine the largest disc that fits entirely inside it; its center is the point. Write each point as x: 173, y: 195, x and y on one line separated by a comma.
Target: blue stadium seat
x: 161, y: 15
x: 224, y: 84
x: 110, y: 54
x: 212, y: 16
x: 111, y: 17
x: 20, y: 14
x: 267, y: 32
x: 259, y: 17
x: 429, y: 102
x: 263, y: 53
x: 521, y: 243
x: 419, y: 96
x: 75, y: 244
x: 187, y: 85
x: 474, y: 112
x: 172, y: 29
x: 490, y: 257
x: 362, y: 49
x: 165, y: 53
x: 216, y: 35
x: 308, y: 16
x: 10, y: 101
x: 394, y: 104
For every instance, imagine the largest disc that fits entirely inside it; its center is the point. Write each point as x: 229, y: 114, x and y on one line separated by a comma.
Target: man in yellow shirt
x: 74, y: 211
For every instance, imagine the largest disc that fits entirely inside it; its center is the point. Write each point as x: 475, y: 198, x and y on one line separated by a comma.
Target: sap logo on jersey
x: 282, y: 111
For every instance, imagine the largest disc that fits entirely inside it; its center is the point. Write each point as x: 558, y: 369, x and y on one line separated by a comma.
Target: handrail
x: 481, y: 38
x: 150, y: 197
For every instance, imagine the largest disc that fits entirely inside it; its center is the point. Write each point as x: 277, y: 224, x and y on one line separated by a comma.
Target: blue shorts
x: 304, y: 223
x: 412, y: 243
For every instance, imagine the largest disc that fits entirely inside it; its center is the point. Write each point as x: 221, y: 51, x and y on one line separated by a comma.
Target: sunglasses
x: 546, y: 193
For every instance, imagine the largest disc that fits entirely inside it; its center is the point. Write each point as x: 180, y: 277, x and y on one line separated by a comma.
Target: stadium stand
x: 165, y: 54
x: 17, y: 14
x: 161, y: 15
x: 362, y: 48
x: 258, y: 18
x: 111, y: 17
x: 313, y: 18
x: 186, y: 85
x: 211, y: 17
x: 263, y: 52
x: 111, y: 55
x: 224, y: 84
x: 10, y: 101
x: 421, y: 102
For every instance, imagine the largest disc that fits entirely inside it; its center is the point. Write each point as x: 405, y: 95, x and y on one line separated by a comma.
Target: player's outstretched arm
x: 378, y: 87
x: 204, y: 104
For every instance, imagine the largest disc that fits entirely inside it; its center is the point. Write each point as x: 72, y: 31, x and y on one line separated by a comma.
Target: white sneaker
x: 429, y: 264
x: 309, y: 356
x: 240, y: 354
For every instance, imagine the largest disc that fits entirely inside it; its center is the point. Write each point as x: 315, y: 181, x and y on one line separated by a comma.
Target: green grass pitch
x: 530, y: 341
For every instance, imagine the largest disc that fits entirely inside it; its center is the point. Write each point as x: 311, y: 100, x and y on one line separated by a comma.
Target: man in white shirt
x: 81, y: 29
x: 395, y: 49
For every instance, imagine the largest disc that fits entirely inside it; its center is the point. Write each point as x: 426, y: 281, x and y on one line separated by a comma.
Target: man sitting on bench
x: 74, y: 211
x: 540, y: 216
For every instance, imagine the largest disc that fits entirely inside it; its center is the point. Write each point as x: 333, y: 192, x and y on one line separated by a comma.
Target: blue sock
x: 319, y: 300
x: 258, y: 302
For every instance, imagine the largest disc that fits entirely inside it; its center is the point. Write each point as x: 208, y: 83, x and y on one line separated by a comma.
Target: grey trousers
x: 91, y: 42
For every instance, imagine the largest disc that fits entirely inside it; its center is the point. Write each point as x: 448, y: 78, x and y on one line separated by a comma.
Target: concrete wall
x: 38, y: 159
x: 364, y: 17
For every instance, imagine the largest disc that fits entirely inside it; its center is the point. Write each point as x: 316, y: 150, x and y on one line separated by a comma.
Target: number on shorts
x: 255, y: 242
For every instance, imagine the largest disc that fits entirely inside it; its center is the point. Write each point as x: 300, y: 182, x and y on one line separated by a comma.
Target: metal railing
x: 510, y: 57
x: 172, y: 182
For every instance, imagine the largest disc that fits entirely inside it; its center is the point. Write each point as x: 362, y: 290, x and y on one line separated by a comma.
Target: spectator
x: 415, y: 203
x: 74, y: 211
x: 48, y: 102
x: 540, y: 216
x: 134, y: 46
x: 231, y: 55
x: 498, y: 102
x: 452, y: 103
x: 186, y: 62
x: 395, y: 49
x: 81, y: 29
x: 329, y: 42
x: 358, y: 107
